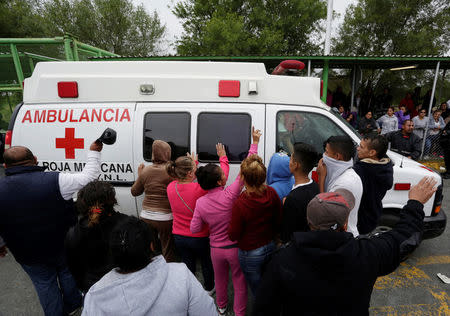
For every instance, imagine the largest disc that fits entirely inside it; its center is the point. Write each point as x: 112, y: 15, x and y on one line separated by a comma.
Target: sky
x: 174, y: 28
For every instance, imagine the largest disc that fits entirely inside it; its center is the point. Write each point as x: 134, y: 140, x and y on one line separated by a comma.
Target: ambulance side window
x: 310, y: 128
x: 173, y: 128
x: 231, y: 129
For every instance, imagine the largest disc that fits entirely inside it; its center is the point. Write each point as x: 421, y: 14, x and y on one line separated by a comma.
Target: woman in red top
x: 255, y: 220
x: 183, y: 194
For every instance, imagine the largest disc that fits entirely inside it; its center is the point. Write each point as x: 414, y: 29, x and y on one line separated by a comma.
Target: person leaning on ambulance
x: 327, y: 271
x: 36, y: 211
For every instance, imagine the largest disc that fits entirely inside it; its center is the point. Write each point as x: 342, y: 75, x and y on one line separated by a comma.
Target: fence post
x: 17, y: 65
x: 429, y: 107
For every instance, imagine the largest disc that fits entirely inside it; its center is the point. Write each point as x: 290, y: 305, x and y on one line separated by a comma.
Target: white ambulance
x: 190, y: 105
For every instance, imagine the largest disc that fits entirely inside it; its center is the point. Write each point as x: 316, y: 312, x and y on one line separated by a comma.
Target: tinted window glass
x: 173, y: 128
x: 231, y: 129
x: 310, y: 128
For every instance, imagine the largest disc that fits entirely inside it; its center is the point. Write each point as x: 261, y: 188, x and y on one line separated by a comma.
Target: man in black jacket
x: 404, y: 141
x: 328, y: 272
x: 36, y: 212
x: 377, y: 176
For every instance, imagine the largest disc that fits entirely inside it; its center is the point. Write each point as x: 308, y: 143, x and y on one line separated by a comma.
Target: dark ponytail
x: 208, y: 176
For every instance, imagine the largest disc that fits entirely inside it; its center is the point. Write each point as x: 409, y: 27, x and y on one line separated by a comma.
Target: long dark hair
x: 96, y: 200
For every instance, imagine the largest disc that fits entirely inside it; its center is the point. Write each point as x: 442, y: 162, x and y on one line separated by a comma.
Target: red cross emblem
x: 70, y: 143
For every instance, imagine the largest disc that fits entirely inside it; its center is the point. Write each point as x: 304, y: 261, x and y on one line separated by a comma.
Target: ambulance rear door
x: 60, y: 136
x: 198, y: 127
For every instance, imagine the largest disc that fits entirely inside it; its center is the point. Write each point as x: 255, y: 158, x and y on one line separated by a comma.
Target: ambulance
x: 192, y: 106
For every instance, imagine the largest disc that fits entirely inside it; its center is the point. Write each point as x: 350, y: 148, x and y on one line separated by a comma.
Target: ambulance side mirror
x: 108, y: 137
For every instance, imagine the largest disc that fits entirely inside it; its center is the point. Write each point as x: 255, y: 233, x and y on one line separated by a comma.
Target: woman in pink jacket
x: 214, y: 209
x: 183, y: 194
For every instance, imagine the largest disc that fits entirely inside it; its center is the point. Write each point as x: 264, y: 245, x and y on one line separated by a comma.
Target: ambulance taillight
x: 8, y: 139
x: 68, y: 89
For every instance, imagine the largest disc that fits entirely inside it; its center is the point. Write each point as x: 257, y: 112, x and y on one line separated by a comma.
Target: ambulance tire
x: 388, y: 219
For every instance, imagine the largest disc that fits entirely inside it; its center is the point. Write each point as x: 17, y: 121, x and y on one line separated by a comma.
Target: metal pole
x: 56, y: 40
x: 30, y: 63
x: 325, y: 80
x: 328, y: 32
x: 68, y: 48
x: 353, y: 89
x: 309, y: 68
x: 75, y: 51
x: 17, y: 64
x: 429, y: 106
x: 440, y: 87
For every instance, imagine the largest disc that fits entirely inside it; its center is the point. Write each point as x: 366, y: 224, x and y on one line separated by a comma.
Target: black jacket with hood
x: 87, y: 250
x: 377, y: 178
x: 332, y: 273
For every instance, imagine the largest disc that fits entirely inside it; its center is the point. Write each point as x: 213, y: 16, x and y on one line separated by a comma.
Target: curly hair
x: 96, y: 200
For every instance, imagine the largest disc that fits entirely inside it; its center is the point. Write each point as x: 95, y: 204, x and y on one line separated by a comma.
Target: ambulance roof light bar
x: 287, y: 64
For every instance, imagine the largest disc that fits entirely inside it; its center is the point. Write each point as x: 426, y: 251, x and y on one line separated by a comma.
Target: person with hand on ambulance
x: 153, y: 180
x: 37, y: 210
x: 214, y: 209
x: 183, y: 194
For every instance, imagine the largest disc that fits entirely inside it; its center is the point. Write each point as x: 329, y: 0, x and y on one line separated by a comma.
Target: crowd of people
x: 300, y: 246
x: 409, y: 130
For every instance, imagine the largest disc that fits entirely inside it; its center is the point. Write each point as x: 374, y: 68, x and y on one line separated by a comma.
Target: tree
x: 248, y: 27
x: 114, y: 25
x: 398, y: 27
x: 395, y: 27
x: 20, y: 18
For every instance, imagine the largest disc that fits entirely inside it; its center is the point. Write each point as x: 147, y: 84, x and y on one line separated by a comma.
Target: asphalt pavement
x: 413, y: 289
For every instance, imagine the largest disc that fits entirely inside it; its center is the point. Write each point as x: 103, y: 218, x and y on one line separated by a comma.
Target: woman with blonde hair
x: 87, y: 243
x: 255, y: 220
x: 183, y: 194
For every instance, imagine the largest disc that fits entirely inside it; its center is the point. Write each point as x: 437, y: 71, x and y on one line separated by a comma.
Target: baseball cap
x: 330, y: 210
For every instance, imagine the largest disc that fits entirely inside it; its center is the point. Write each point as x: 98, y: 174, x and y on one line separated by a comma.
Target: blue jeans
x: 193, y: 248
x: 252, y: 263
x: 55, y: 299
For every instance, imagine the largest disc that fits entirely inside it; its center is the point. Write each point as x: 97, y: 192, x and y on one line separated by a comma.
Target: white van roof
x: 174, y: 81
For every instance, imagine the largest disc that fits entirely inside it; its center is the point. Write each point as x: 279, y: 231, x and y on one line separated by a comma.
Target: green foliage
x: 249, y: 27
x: 20, y: 18
x: 114, y: 25
x: 418, y: 27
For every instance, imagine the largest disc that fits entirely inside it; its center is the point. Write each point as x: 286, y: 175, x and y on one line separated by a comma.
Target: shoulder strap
x: 176, y: 189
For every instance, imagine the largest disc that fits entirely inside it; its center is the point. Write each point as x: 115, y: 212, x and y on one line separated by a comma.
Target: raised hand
x: 256, y: 134
x: 193, y: 156
x: 220, y: 150
x: 423, y: 190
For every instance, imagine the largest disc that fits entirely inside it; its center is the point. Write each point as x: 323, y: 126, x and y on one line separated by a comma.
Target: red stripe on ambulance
x: 68, y: 115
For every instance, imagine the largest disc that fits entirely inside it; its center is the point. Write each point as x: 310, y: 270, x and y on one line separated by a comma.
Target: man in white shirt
x: 37, y: 210
x: 335, y: 171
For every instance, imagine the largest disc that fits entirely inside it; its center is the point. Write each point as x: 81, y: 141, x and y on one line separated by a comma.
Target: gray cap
x: 330, y: 210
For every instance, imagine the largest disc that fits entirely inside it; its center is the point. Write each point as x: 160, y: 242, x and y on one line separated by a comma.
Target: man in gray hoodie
x: 145, y: 284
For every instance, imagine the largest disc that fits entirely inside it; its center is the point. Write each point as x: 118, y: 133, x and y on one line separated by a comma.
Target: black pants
x: 447, y: 160
x: 193, y: 248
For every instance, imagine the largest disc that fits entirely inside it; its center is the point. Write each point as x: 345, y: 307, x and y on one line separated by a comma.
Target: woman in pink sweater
x: 183, y: 194
x: 214, y: 209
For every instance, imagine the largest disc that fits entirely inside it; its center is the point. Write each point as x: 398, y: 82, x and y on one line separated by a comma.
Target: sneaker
x: 211, y: 293
x: 222, y: 311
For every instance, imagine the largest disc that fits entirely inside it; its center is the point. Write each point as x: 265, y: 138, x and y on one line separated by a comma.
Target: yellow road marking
x: 433, y: 260
x: 440, y: 308
x: 405, y: 276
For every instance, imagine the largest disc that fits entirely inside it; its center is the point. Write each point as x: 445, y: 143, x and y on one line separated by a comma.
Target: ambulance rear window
x: 173, y: 128
x: 231, y: 129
